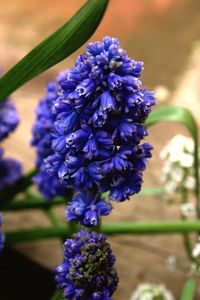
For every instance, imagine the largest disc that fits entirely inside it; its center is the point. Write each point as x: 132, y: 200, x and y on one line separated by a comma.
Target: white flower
x: 188, y: 210
x: 164, y: 153
x: 186, y: 160
x: 162, y: 93
x: 171, y: 262
x: 170, y: 187
x: 196, y: 250
x: 167, y: 167
x: 174, y: 156
x: 177, y: 174
x: 177, y: 145
x: 178, y: 171
x: 189, y: 146
x: 189, y: 183
x: 148, y: 291
x: 180, y: 140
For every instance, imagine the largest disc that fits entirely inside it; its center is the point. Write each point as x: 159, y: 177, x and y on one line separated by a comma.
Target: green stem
x: 186, y: 238
x: 196, y: 169
x: 34, y: 201
x: 152, y: 191
x: 53, y: 217
x: 9, y: 193
x: 55, y: 220
x: 138, y: 228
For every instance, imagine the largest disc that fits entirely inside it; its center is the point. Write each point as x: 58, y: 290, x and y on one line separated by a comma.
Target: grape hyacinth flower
x: 87, y: 271
x: 48, y: 185
x: 2, y: 237
x: 178, y: 168
x: 99, y: 124
x: 9, y: 119
x: 87, y: 207
x: 152, y: 292
x: 10, y: 171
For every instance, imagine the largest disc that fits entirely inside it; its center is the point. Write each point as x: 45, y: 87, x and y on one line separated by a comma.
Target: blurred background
x: 165, y: 34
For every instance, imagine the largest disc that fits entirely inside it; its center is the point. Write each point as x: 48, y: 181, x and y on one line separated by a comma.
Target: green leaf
x: 55, y: 48
x: 58, y: 296
x: 189, y: 289
x: 9, y: 193
x: 183, y: 116
x: 176, y: 114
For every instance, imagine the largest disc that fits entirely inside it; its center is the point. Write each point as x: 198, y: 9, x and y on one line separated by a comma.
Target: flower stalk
x: 34, y: 201
x: 186, y: 238
x: 137, y: 228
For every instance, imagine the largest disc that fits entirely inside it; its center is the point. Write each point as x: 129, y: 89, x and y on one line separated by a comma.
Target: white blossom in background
x: 196, y: 250
x: 171, y: 262
x: 148, y: 291
x: 188, y: 210
x: 178, y: 166
x: 162, y: 93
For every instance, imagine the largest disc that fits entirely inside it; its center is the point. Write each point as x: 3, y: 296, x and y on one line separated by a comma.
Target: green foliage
x: 114, y: 228
x: 183, y: 116
x: 175, y: 114
x: 189, y: 289
x: 58, y: 296
x: 20, y: 186
x: 55, y: 48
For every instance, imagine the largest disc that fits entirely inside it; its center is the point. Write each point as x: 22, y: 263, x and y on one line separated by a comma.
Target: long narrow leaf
x: 8, y: 193
x: 176, y: 114
x: 183, y: 116
x: 189, y: 289
x: 55, y: 48
x: 58, y: 296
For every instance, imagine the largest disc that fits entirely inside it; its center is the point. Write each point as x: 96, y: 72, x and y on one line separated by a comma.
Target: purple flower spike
x: 87, y: 271
x: 99, y: 125
x: 48, y: 185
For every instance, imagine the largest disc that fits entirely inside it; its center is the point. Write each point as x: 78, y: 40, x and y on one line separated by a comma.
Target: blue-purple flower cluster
x: 99, y: 120
x: 49, y: 185
x: 87, y: 207
x: 9, y: 119
x: 2, y: 236
x: 10, y: 169
x: 87, y: 271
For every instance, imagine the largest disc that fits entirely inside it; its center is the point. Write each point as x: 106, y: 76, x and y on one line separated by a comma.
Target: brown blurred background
x: 165, y: 34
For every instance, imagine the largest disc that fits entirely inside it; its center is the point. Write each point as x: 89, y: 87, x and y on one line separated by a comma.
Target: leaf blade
x: 173, y: 113
x: 58, y: 295
x: 54, y: 48
x: 189, y: 289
